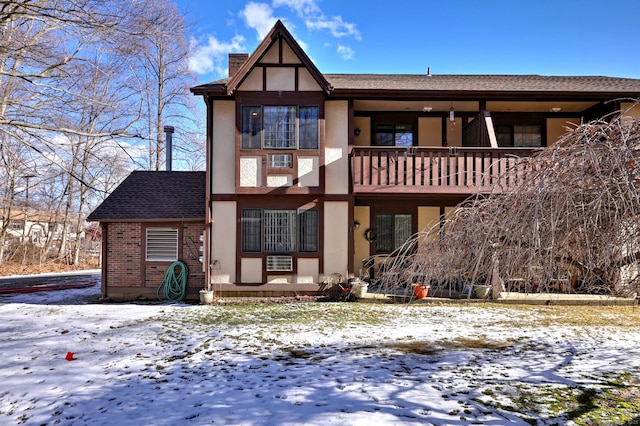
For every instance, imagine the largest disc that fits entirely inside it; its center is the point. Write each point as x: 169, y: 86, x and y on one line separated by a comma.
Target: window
x: 280, y: 127
x: 308, y: 127
x: 394, y: 135
x: 162, y: 244
x: 251, y: 230
x: 279, y: 230
x: 308, y: 230
x: 392, y: 230
x: 16, y: 225
x: 251, y: 127
x: 280, y: 161
x: 519, y: 135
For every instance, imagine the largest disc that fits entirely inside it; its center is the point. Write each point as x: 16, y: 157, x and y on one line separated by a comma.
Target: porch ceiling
x: 498, y: 106
x: 471, y: 106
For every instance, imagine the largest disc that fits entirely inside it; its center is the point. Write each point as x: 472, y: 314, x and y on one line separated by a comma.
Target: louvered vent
x: 279, y: 263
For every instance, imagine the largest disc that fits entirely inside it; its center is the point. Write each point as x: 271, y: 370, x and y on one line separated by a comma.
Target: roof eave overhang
x: 210, y: 90
x: 479, y: 94
x: 156, y: 220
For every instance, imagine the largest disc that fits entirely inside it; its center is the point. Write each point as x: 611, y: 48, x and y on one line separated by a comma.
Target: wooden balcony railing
x: 434, y: 170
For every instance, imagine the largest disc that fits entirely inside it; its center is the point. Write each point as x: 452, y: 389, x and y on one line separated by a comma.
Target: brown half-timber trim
x: 280, y: 98
x: 267, y: 202
x: 278, y: 34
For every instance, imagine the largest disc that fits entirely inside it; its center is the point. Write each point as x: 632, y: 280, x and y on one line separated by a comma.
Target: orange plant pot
x: 420, y: 291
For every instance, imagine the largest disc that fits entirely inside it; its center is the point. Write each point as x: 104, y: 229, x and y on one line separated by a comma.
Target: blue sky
x: 547, y: 37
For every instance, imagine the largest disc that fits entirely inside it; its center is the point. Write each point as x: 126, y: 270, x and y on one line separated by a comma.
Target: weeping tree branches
x: 570, y: 222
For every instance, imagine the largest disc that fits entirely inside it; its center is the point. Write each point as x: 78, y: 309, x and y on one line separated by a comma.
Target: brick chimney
x: 235, y: 62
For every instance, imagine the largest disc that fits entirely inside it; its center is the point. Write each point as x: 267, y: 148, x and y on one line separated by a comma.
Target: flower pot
x: 482, y: 291
x: 206, y: 297
x: 420, y: 291
x: 359, y: 289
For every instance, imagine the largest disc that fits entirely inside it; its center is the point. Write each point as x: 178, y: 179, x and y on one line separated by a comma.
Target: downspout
x: 104, y: 259
x: 206, y: 255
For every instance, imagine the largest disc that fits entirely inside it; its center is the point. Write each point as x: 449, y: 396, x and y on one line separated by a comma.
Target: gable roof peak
x: 277, y: 32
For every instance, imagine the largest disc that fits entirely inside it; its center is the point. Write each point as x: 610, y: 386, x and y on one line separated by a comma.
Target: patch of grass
x: 596, y: 316
x: 586, y: 406
x: 414, y: 347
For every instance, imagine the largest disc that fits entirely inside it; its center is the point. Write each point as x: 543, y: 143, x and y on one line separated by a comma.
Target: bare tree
x: 568, y: 221
x: 80, y: 80
x: 42, y: 42
x: 162, y: 73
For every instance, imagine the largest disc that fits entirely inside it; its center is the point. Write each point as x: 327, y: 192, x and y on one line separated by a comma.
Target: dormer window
x: 279, y: 127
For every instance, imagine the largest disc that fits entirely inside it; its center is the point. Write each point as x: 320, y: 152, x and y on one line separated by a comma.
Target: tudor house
x: 310, y: 173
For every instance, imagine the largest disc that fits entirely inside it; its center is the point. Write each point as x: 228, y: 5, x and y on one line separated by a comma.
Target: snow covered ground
x: 311, y: 364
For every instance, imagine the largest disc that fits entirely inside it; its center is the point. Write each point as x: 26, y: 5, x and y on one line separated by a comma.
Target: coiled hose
x: 174, y: 287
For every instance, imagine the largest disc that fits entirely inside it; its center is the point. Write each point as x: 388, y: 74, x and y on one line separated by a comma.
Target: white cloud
x: 345, y: 52
x: 336, y: 26
x: 212, y: 56
x: 315, y: 19
x: 302, y: 7
x: 259, y: 16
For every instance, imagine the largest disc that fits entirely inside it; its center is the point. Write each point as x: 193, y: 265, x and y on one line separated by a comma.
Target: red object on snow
x: 69, y: 356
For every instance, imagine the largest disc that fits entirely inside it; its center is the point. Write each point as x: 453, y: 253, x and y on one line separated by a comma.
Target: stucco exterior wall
x: 454, y: 132
x: 364, y: 125
x: 557, y: 127
x: 361, y: 245
x: 281, y: 79
x: 427, y: 217
x: 223, y: 153
x: 308, y: 270
x: 223, y: 241
x: 251, y: 270
x: 633, y: 112
x: 306, y: 83
x: 253, y: 81
x: 430, y: 131
x: 336, y: 237
x: 336, y: 148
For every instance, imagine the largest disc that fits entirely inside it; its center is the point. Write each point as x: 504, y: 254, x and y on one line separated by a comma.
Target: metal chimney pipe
x: 168, y: 131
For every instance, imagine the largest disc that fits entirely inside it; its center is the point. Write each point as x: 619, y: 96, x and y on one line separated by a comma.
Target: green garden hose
x: 174, y: 287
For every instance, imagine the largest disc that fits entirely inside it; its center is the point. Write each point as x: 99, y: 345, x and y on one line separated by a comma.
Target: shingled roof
x: 145, y: 196
x: 378, y: 84
x: 519, y: 83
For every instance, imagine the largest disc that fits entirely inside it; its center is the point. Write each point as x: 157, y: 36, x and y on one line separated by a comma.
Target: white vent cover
x: 279, y: 263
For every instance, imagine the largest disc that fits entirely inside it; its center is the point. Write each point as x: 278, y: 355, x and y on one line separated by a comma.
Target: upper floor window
x: 394, y: 134
x: 519, y: 135
x: 279, y: 127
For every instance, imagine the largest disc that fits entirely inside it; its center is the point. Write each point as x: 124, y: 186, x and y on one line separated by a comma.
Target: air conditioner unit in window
x: 279, y: 263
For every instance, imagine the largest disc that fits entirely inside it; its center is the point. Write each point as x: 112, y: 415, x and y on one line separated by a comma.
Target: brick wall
x: 129, y: 276
x: 123, y: 258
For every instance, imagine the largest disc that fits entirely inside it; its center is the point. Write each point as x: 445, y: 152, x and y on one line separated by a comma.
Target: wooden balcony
x: 431, y: 170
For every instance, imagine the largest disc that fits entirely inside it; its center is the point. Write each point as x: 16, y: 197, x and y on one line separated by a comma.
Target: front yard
x: 315, y: 363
